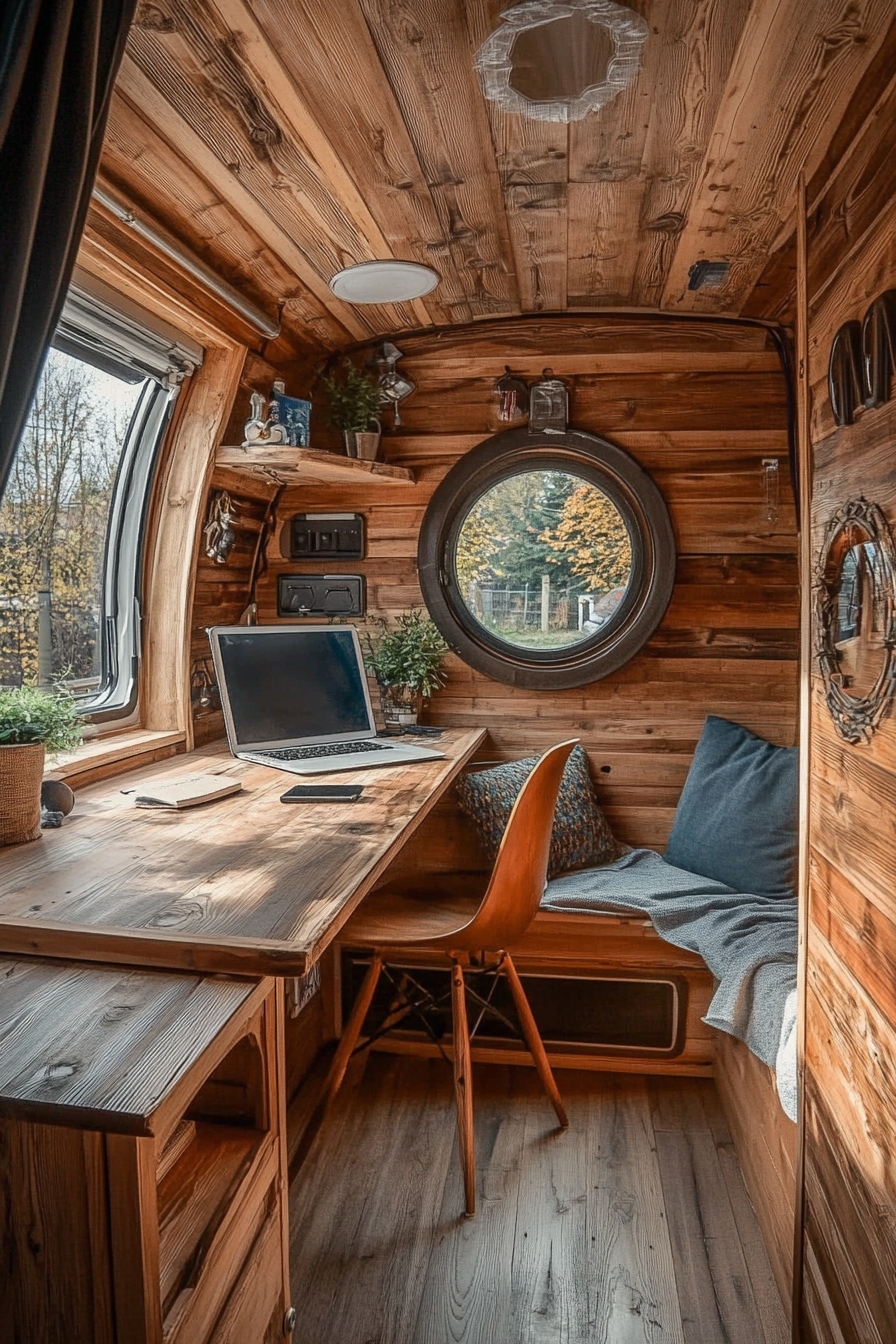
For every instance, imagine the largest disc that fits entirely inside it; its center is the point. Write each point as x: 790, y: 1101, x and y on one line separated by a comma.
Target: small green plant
x: 29, y: 715
x: 408, y: 653
x: 354, y: 403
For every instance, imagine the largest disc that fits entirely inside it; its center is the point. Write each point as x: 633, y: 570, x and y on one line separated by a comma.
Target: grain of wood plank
x: 772, y: 1304
x: 765, y: 1142
x: 42, y: 1171
x: 569, y: 1244
x: 759, y: 144
x: 700, y: 41
x: 717, y: 1299
x: 80, y: 1042
x: 169, y: 881
x: 424, y: 50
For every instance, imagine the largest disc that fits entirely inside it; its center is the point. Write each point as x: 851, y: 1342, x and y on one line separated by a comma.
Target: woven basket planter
x: 21, y: 773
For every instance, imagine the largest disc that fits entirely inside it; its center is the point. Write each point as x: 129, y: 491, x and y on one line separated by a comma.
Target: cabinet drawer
x: 196, y: 1307
x: 254, y: 1310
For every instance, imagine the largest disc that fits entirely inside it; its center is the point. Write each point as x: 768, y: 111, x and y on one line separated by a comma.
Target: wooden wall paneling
x: 805, y: 472
x: 850, y: 1006
x: 41, y: 1171
x: 766, y: 1144
x: 221, y: 593
x: 793, y: 75
x: 866, y: 276
x: 728, y: 644
x: 855, y: 197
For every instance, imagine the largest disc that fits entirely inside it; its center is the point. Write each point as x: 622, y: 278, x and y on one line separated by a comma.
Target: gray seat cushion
x: 738, y: 814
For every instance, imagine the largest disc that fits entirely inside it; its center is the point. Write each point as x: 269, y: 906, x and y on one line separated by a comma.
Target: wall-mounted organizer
x: 323, y: 536
x: 320, y: 595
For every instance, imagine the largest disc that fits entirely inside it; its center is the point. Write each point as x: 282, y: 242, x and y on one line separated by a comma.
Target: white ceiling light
x: 384, y: 282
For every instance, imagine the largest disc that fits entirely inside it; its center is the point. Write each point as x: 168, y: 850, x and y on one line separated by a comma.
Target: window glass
x: 543, y: 559
x: 54, y: 518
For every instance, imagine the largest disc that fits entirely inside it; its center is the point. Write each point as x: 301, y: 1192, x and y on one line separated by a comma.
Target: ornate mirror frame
x: 854, y: 717
x: 631, y: 490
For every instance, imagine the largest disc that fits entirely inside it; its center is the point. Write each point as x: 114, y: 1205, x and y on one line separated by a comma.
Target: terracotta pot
x: 21, y: 773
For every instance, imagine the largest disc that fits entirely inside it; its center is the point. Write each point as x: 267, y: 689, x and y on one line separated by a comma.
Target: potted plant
x: 355, y: 405
x: 406, y: 659
x: 32, y: 721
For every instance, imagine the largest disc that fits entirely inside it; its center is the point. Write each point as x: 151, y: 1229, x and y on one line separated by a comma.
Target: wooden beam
x: 804, y: 449
x: 165, y: 690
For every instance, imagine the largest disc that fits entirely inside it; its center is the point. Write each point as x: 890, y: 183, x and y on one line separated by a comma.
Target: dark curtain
x: 58, y: 61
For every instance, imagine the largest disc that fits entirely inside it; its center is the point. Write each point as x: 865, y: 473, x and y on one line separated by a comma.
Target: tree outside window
x: 53, y: 520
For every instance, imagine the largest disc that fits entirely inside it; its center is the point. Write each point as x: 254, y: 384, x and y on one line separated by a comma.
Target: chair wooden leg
x: 463, y: 1085
x: 347, y: 1042
x: 352, y: 1030
x: 534, y: 1041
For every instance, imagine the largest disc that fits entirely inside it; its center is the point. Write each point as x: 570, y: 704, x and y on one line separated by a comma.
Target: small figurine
x: 261, y: 430
x: 219, y: 532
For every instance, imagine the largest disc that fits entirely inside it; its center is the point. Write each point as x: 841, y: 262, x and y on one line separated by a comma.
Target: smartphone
x: 323, y: 793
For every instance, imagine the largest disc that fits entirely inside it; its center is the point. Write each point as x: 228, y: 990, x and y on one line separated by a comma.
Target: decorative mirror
x: 855, y: 610
x: 547, y: 560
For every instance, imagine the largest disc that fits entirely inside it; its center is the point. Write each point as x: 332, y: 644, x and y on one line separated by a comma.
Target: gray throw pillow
x: 737, y: 818
x: 581, y: 836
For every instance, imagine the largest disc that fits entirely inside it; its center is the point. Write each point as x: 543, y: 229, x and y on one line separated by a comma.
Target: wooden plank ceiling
x: 285, y: 139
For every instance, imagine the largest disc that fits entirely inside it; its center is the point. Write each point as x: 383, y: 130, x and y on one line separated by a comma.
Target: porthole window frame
x: 598, y: 462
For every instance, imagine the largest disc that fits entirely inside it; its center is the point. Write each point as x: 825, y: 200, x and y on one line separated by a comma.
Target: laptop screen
x: 287, y: 685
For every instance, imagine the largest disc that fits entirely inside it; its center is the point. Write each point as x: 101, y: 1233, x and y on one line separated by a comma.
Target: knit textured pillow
x: 581, y: 837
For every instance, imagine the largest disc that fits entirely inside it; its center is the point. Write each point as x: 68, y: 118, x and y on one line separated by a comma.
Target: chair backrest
x: 518, y: 877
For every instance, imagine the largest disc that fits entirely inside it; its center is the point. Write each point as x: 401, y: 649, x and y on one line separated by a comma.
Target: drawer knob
x: 289, y: 1320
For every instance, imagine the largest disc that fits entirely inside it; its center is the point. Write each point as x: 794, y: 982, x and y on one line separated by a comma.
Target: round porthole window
x: 547, y: 561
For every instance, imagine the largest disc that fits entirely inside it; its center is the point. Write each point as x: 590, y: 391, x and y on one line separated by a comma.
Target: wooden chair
x: 392, y: 924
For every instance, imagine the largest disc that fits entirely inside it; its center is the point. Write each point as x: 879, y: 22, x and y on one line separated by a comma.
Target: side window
x: 73, y: 515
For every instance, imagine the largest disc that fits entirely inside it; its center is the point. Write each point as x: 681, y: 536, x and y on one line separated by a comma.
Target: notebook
x: 296, y: 698
x: 187, y: 791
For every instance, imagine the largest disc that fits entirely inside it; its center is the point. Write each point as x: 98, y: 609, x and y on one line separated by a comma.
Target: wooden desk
x: 244, y: 885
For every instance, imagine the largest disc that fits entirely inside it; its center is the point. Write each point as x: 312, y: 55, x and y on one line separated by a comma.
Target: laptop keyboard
x: 327, y: 749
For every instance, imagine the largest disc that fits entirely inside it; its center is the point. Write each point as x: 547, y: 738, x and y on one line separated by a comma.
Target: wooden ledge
x: 297, y: 464
x: 112, y: 754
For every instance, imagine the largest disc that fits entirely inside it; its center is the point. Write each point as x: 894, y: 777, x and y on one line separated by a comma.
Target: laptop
x: 296, y: 698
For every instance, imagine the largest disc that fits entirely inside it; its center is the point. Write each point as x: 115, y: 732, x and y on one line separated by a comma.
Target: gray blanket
x: 748, y: 942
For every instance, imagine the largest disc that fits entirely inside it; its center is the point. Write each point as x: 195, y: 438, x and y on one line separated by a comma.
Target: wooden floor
x: 633, y: 1227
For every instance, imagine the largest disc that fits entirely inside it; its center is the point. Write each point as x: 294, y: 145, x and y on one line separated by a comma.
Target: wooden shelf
x: 298, y: 464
